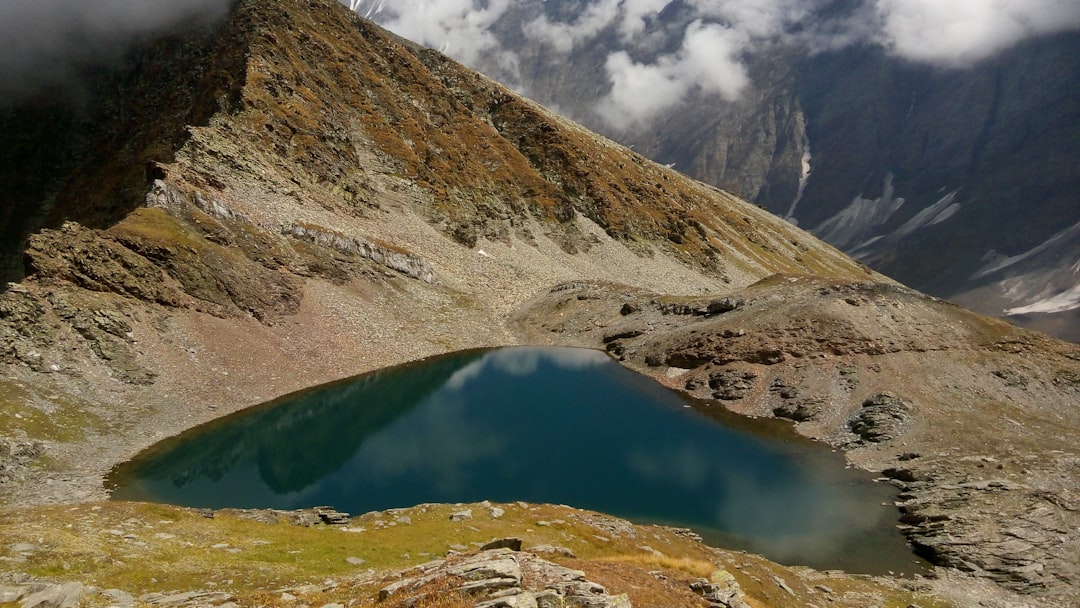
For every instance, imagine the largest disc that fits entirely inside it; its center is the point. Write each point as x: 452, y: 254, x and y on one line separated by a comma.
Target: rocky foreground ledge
x: 481, y: 555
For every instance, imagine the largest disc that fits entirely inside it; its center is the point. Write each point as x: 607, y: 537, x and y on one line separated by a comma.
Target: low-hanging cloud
x: 708, y: 61
x: 958, y: 33
x: 459, y: 28
x: 628, y: 17
x: 46, y: 42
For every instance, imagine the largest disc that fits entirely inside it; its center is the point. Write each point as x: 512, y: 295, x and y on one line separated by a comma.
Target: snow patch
x: 847, y: 227
x: 996, y: 261
x: 1064, y: 301
x: 934, y: 214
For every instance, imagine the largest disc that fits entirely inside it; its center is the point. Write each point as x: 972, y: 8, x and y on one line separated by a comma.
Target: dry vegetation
x: 145, y: 548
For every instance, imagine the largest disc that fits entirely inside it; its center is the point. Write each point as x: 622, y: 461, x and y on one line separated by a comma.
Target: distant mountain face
x: 962, y: 181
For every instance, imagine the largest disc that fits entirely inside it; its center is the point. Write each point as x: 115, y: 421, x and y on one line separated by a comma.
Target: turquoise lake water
x: 543, y: 425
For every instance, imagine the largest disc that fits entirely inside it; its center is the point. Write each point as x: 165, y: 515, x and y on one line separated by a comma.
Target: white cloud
x: 759, y: 19
x: 635, y: 13
x: 960, y: 32
x: 562, y: 37
x: 708, y: 61
x: 628, y: 17
x: 461, y: 28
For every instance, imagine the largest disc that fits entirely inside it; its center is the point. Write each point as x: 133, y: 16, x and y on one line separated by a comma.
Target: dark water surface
x: 544, y: 425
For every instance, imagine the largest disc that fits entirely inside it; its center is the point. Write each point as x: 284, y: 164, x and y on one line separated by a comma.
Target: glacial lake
x: 543, y: 425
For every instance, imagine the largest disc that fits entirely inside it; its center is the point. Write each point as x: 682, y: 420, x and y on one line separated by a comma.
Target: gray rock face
x: 119, y: 598
x: 722, y: 305
x: 67, y: 595
x: 9, y: 594
x: 720, y: 595
x: 799, y: 410
x: 883, y: 417
x: 514, y: 544
x: 524, y: 599
x: 505, y: 578
x: 461, y: 515
x: 304, y: 518
x: 400, y: 260
x: 551, y: 550
x: 331, y: 516
x: 730, y: 385
x: 16, y: 456
x: 185, y: 599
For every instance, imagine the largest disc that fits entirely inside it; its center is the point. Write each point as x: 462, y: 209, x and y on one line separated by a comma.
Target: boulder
x: 730, y: 385
x: 551, y: 550
x: 331, y: 517
x: 67, y: 595
x: 723, y: 305
x: 522, y: 599
x: 10, y: 594
x: 514, y: 544
x: 882, y: 417
x: 727, y: 594
x: 799, y: 411
x: 461, y: 515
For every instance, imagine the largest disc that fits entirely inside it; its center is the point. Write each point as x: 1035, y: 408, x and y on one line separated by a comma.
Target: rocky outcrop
x: 731, y: 385
x: 725, y: 594
x: 67, y: 595
x: 94, y: 261
x: 882, y: 417
x: 16, y: 456
x: 929, y: 394
x: 504, y: 578
x: 297, y: 517
x: 1010, y: 532
x: 165, y: 195
x: 403, y: 261
x: 33, y: 324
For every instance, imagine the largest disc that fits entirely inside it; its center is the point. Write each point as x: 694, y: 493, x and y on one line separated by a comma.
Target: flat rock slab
x: 67, y: 595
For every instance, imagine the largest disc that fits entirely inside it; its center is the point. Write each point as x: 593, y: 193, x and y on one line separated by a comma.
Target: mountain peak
x: 309, y: 93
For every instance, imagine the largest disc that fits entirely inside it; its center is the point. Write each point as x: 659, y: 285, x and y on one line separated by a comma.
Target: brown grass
x: 155, y: 548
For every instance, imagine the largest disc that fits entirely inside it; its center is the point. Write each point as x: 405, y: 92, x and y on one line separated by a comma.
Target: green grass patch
x: 33, y: 413
x: 144, y: 548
